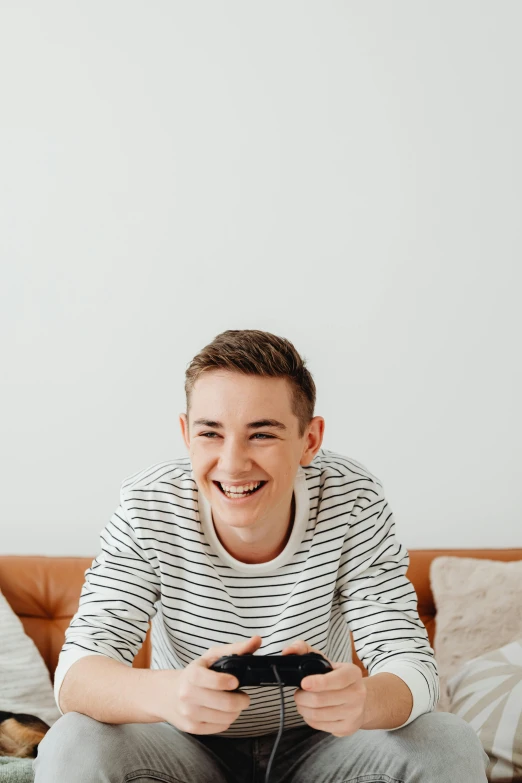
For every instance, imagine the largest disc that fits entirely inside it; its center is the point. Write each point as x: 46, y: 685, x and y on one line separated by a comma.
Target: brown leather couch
x: 44, y: 592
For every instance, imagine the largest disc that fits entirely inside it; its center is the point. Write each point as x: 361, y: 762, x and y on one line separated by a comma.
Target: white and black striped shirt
x: 341, y: 569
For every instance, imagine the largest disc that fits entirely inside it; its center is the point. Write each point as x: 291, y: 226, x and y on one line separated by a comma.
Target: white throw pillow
x: 25, y: 683
x: 479, y: 609
x: 487, y: 693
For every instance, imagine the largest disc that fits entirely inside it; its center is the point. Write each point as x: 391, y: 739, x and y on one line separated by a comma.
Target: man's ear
x: 313, y: 440
x: 183, y: 421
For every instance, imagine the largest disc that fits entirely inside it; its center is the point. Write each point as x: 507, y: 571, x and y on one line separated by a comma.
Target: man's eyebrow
x: 253, y: 425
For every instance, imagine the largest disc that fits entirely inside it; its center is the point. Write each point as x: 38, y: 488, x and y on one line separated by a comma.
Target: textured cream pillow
x: 25, y: 684
x: 479, y: 609
x: 487, y: 693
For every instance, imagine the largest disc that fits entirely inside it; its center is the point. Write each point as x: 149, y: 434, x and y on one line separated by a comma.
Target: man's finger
x: 343, y: 675
x: 299, y: 647
x: 222, y: 702
x: 237, y: 648
x: 202, y: 677
x: 325, y: 714
x: 319, y: 699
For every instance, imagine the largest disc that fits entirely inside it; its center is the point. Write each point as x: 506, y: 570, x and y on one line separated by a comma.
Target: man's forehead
x: 248, y: 391
x: 241, y: 399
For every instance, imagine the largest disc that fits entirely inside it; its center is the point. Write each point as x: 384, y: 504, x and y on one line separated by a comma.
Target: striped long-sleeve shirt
x: 342, y: 569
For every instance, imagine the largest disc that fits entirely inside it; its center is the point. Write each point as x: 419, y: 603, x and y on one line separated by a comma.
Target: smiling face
x: 241, y: 432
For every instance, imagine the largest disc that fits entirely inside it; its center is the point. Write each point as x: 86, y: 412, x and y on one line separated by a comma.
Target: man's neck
x: 260, y: 546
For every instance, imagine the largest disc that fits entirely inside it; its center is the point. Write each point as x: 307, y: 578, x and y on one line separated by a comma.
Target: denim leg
x: 80, y: 749
x: 238, y: 756
x: 434, y: 748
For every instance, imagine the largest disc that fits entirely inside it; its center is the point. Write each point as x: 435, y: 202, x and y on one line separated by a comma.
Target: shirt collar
x: 302, y: 512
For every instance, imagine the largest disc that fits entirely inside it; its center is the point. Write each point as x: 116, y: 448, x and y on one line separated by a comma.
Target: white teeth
x: 240, y: 490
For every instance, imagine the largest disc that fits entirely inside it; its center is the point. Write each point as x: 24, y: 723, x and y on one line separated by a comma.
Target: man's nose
x: 233, y: 457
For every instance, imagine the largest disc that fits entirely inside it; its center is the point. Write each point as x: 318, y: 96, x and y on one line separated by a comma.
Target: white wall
x: 345, y: 174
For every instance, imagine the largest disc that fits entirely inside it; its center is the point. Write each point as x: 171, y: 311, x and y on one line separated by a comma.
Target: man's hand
x: 333, y: 702
x: 196, y: 699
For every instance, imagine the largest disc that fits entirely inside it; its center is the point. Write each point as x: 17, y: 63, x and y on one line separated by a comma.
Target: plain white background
x: 345, y: 174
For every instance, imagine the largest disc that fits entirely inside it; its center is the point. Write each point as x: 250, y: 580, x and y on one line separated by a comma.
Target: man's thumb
x: 250, y: 645
x: 237, y: 648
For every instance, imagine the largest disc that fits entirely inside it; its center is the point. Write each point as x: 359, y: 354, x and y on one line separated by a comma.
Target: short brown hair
x: 253, y: 352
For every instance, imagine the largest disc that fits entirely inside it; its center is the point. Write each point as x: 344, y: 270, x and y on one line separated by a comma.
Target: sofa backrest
x: 45, y: 591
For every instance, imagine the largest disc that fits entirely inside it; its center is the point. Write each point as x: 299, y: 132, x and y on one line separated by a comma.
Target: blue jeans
x: 434, y: 748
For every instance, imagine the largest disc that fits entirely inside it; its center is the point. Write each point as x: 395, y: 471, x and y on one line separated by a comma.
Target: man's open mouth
x: 233, y: 494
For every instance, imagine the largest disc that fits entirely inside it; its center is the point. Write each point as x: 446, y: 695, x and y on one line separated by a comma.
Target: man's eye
x: 256, y: 434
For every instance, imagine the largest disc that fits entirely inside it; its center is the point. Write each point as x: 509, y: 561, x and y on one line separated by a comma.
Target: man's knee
x: 444, y: 728
x: 81, y: 749
x: 75, y: 742
x: 442, y: 741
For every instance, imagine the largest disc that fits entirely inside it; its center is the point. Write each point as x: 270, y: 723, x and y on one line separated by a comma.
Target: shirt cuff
x: 417, y: 684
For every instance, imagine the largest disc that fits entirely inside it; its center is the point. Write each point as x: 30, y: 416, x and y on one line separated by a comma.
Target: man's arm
x: 116, y: 603
x: 343, y: 701
x: 193, y: 699
x: 389, y: 702
x: 110, y: 691
x: 379, y: 604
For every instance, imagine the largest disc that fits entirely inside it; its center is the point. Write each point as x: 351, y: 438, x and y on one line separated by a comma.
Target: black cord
x: 281, y: 723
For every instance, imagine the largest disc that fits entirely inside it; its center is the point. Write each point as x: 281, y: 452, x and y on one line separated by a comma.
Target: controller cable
x: 281, y: 723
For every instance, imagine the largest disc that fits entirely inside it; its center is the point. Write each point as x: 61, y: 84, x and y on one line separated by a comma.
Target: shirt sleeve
x: 117, y: 600
x: 379, y: 603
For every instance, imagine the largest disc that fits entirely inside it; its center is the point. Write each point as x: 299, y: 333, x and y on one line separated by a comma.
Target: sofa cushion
x: 25, y: 684
x: 479, y: 609
x: 487, y: 693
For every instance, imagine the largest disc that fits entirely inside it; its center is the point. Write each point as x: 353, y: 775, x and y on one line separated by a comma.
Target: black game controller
x: 257, y: 669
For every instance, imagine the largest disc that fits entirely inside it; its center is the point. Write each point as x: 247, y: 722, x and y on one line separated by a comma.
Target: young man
x: 260, y: 541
